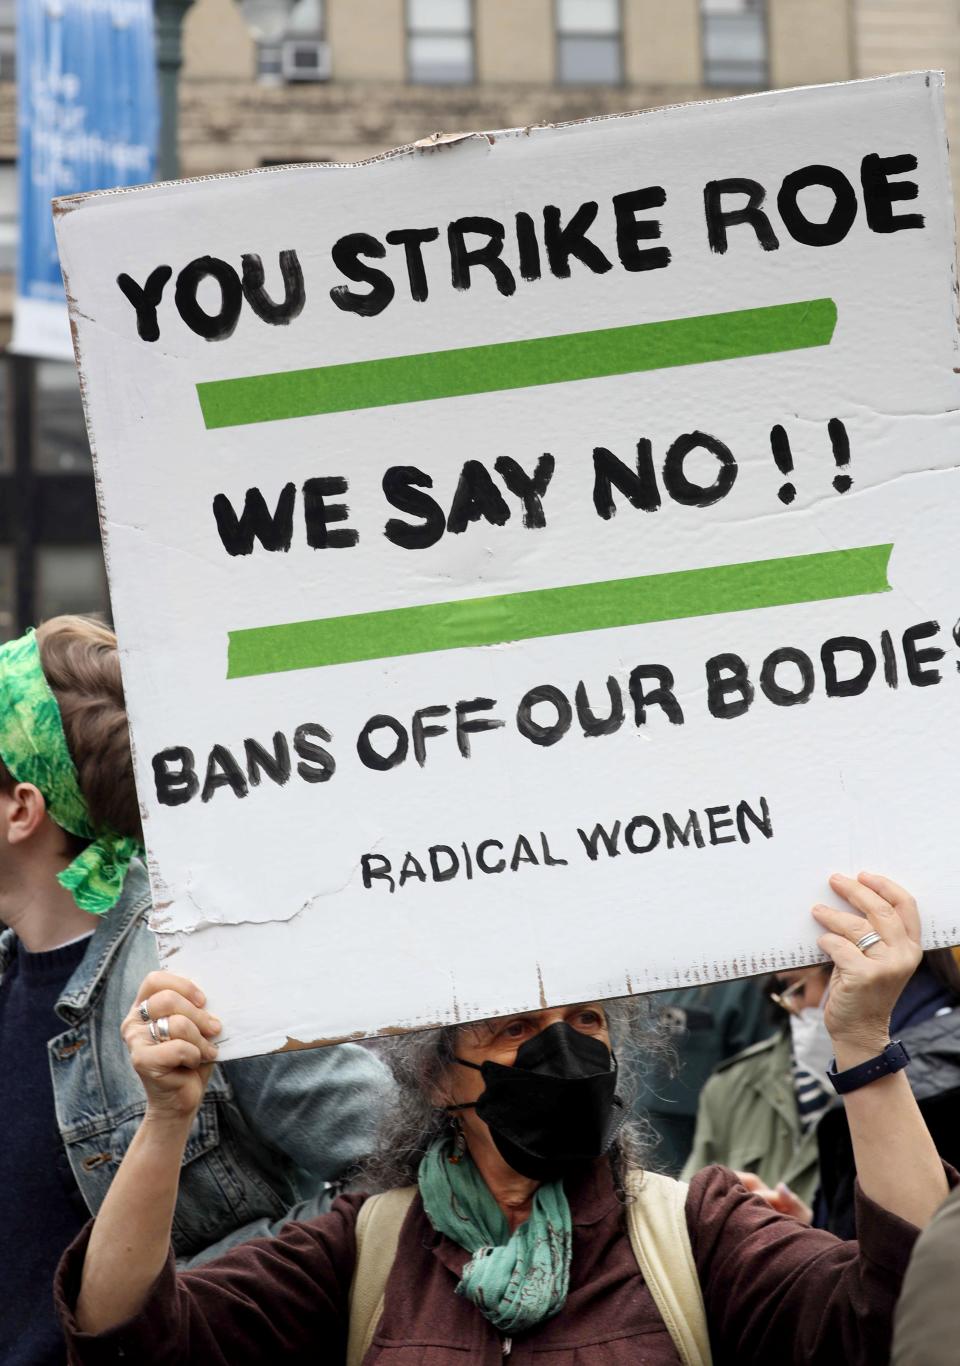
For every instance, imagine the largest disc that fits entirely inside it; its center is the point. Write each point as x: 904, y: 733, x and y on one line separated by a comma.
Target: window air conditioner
x: 305, y: 59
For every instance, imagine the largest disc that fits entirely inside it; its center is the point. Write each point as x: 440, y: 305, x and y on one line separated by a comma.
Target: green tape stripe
x: 517, y: 364
x: 558, y: 611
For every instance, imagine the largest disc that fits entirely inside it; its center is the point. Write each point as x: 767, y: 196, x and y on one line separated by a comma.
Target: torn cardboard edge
x: 65, y: 204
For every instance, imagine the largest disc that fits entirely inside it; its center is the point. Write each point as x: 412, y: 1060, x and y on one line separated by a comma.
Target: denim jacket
x: 271, y: 1130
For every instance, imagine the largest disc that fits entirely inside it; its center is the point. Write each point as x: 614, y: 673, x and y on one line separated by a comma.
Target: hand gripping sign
x: 534, y: 556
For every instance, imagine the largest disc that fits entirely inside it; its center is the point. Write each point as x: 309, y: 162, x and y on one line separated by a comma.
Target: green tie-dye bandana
x: 34, y: 749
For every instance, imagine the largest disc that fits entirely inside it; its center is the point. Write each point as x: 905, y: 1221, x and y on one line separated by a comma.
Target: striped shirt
x: 813, y: 1098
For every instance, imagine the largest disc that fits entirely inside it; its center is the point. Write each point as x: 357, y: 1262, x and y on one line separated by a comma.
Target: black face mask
x: 554, y: 1111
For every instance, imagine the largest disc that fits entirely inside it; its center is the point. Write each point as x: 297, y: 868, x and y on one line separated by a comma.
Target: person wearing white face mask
x: 771, y: 1114
x: 758, y: 1112
x: 806, y: 998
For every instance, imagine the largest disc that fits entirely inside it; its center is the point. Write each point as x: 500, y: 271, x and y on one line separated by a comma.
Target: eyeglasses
x: 789, y: 999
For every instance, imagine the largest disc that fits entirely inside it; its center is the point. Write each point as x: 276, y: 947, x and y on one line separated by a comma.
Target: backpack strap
x: 657, y: 1224
x: 378, y: 1232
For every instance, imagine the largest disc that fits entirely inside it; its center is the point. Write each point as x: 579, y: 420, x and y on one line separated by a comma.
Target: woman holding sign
x: 526, y: 1226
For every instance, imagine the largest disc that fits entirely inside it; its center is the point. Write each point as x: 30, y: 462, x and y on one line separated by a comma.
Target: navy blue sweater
x: 41, y: 1209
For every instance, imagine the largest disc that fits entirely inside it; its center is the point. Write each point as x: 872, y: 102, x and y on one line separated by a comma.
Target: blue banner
x: 88, y: 120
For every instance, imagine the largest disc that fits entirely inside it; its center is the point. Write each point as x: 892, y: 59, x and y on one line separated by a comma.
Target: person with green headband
x: 515, y: 1216
x: 74, y: 898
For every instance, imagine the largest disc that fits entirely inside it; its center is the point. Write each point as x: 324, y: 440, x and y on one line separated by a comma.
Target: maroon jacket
x: 775, y: 1292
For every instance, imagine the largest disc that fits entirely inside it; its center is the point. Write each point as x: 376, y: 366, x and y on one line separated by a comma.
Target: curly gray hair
x: 419, y: 1061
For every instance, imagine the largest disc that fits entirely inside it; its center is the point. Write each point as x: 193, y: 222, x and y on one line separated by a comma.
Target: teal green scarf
x: 34, y: 748
x: 517, y: 1279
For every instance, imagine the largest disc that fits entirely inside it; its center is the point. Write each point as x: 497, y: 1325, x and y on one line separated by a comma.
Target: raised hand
x: 779, y: 1197
x: 866, y: 983
x: 169, y: 1036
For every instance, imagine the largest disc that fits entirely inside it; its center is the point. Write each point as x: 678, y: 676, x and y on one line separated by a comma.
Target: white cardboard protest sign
x: 534, y: 556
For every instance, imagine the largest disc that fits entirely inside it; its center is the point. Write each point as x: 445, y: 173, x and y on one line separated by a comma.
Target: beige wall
x: 919, y: 35
x: 661, y: 41
x: 895, y: 36
x: 809, y: 41
x: 367, y: 39
x: 515, y: 40
x: 216, y: 42
x: 232, y: 127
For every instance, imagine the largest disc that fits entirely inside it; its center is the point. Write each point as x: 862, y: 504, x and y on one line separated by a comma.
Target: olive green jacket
x: 747, y: 1119
x: 928, y: 1313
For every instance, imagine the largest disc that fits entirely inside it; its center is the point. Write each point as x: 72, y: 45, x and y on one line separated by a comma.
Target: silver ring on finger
x: 163, y: 1028
x: 143, y: 1010
x: 153, y: 1031
x: 867, y: 941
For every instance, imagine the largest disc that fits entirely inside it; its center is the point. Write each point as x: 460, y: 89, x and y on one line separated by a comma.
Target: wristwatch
x: 891, y: 1060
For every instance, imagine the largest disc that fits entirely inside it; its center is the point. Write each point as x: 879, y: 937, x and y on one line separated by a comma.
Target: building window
x: 305, y: 53
x: 734, y: 42
x: 296, y: 161
x: 70, y: 579
x: 61, y: 434
x: 440, y: 42
x: 8, y: 217
x: 8, y: 610
x: 589, y: 42
x: 269, y: 63
x: 290, y: 47
x: 52, y: 560
x: 8, y: 40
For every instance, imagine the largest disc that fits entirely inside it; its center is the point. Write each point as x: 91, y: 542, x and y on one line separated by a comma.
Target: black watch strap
x: 892, y: 1059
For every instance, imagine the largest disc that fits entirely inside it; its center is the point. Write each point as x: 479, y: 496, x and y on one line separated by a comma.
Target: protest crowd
x: 470, y: 1193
